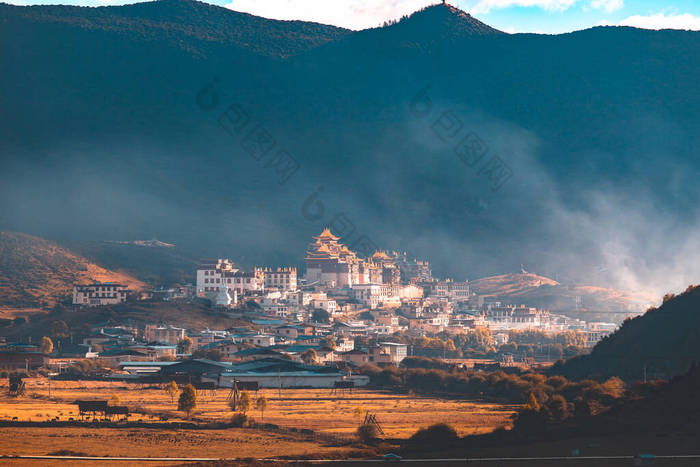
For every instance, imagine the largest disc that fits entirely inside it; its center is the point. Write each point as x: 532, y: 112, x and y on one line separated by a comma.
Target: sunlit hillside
x: 36, y: 273
x: 535, y: 290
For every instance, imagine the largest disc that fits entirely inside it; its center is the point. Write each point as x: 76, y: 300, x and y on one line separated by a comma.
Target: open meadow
x: 327, y: 414
x: 316, y: 409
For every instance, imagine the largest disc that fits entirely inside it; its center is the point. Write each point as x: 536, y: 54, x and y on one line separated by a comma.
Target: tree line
x: 497, y: 386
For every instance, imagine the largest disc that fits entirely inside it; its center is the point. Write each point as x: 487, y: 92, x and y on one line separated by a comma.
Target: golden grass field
x: 318, y: 410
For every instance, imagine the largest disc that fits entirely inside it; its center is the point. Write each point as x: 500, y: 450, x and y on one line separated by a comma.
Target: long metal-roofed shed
x: 196, y: 367
x: 141, y: 368
x: 282, y: 373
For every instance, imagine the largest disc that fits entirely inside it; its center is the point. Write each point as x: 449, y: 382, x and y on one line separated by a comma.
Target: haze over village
x: 344, y: 310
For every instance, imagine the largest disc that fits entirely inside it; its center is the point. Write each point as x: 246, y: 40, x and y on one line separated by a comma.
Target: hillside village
x: 314, y: 330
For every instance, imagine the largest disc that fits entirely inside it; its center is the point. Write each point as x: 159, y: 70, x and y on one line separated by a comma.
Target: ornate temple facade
x: 332, y: 264
x: 329, y: 262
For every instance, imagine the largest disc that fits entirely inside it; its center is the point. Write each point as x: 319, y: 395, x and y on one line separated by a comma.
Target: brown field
x: 154, y: 442
x: 318, y: 410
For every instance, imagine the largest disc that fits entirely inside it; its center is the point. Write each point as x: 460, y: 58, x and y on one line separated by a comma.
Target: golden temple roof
x: 380, y: 255
x: 327, y: 235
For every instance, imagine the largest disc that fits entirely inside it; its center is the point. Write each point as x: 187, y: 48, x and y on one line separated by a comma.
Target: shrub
x: 239, y: 420
x: 530, y: 421
x: 440, y: 434
x: 243, y: 403
x: 558, y: 408
x: 368, y: 433
x: 614, y: 387
x: 557, y: 382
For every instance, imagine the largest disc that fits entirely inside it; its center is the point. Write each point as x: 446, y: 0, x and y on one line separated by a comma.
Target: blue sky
x: 543, y: 16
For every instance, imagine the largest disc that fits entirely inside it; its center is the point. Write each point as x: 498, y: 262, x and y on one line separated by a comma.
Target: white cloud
x: 607, y: 5
x: 485, y: 6
x: 661, y: 21
x: 352, y: 14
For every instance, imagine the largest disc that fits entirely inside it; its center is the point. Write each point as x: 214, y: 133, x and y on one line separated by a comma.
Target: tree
x: 557, y: 382
x: 184, y: 346
x: 213, y: 354
x: 309, y: 357
x: 115, y: 400
x: 59, y: 330
x: 329, y: 341
x: 320, y: 316
x: 244, y: 402
x: 261, y: 405
x: 172, y: 390
x: 358, y: 412
x: 478, y: 338
x: 46, y: 345
x: 558, y: 408
x: 188, y: 399
x: 532, y: 403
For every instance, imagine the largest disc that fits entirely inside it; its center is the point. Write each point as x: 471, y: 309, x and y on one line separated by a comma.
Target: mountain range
x: 232, y: 135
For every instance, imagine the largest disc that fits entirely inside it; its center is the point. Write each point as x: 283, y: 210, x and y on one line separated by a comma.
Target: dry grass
x: 36, y: 273
x: 148, y: 442
x: 319, y: 410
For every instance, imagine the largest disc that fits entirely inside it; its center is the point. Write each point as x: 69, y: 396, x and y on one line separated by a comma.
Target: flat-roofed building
x: 283, y: 279
x: 397, y: 351
x: 166, y: 334
x: 99, y: 294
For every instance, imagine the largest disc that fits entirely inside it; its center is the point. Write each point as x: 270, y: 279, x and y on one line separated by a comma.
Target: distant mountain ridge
x: 444, y: 21
x: 190, y: 19
x: 101, y: 119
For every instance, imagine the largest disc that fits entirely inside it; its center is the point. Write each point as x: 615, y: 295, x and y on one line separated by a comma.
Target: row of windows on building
x: 228, y: 281
x: 273, y: 275
x: 99, y: 289
x: 93, y: 294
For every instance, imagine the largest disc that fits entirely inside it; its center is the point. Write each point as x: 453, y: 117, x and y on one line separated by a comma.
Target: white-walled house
x: 99, y: 294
